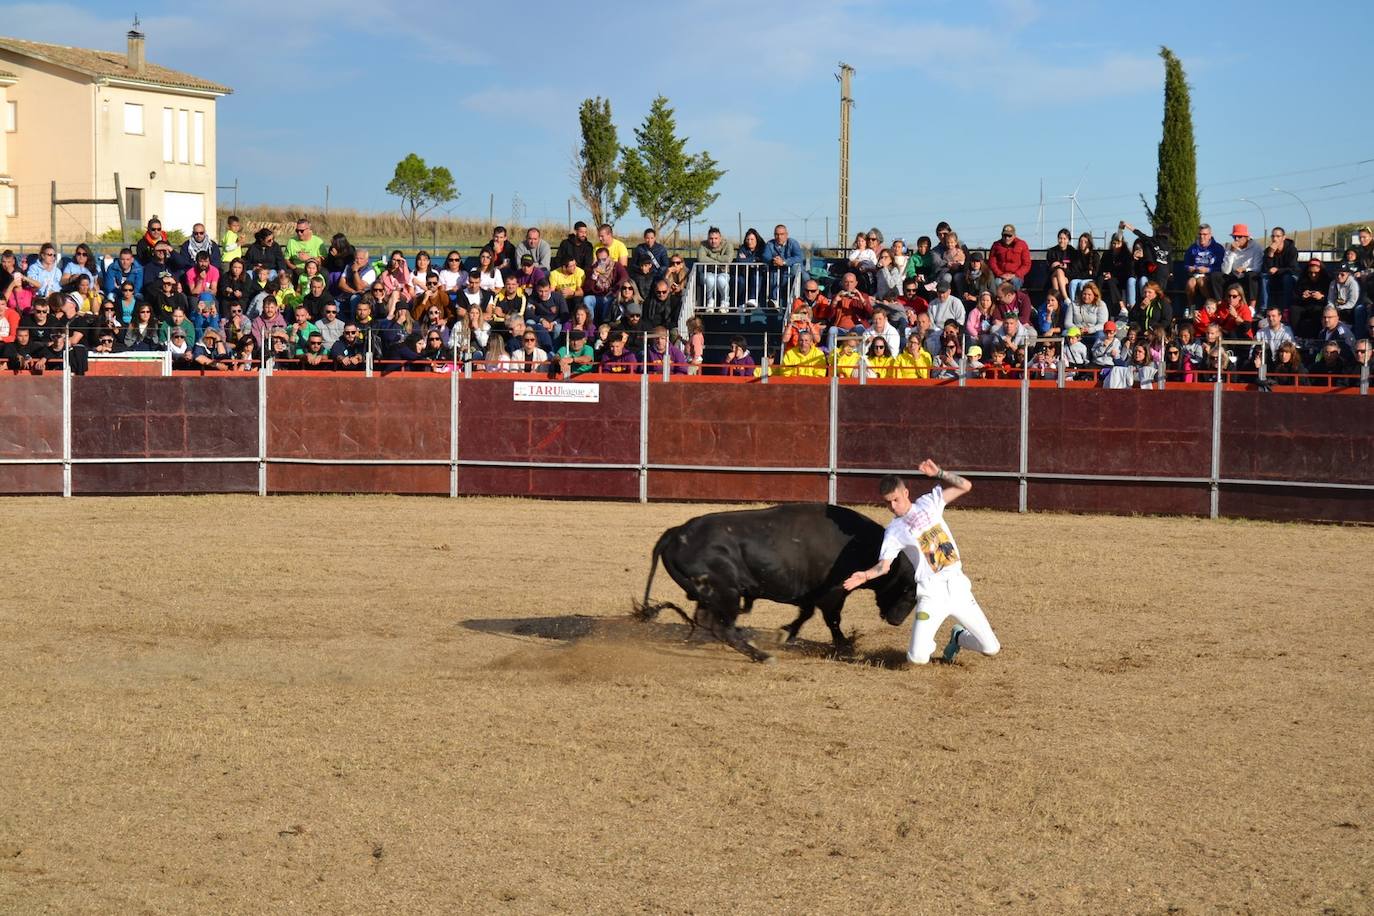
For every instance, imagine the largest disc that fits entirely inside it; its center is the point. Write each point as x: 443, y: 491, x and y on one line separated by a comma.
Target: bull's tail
x: 646, y: 610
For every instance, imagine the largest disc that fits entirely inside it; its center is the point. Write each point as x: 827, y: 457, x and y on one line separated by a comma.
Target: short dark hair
x: 889, y: 483
x: 500, y: 229
x: 738, y: 341
x: 579, y: 225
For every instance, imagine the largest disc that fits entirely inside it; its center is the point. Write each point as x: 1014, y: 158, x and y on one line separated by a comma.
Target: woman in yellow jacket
x: 881, y: 364
x: 847, y: 358
x: 914, y: 362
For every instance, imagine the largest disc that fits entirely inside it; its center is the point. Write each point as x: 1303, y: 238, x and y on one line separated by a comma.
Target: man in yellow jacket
x: 805, y: 360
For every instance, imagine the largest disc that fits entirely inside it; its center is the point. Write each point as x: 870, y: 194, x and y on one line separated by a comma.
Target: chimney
x: 137, y: 60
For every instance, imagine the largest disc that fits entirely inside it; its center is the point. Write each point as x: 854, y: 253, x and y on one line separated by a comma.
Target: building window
x: 183, y: 131
x: 133, y: 118
x: 198, y: 138
x: 11, y: 117
x: 9, y: 195
x: 133, y: 205
x: 167, y: 136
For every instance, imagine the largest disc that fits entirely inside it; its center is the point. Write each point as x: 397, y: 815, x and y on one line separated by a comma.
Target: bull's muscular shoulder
x: 794, y: 527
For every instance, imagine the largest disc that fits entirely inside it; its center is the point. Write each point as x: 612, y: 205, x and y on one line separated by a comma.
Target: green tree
x: 667, y: 186
x: 421, y: 189
x: 1176, y: 204
x: 595, y: 167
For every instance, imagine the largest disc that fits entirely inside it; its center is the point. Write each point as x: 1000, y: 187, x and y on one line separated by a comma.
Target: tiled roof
x: 107, y: 64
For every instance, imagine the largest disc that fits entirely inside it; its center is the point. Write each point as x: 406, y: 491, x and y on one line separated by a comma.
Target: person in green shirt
x: 231, y: 246
x: 299, y: 331
x: 304, y: 246
x: 576, y: 356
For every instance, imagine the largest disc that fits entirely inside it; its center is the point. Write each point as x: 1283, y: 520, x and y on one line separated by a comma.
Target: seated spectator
x: 503, y: 255
x: 950, y: 258
x: 106, y: 342
x: 576, y: 357
x: 1044, y: 361
x: 236, y: 287
x: 1018, y: 339
x: 1052, y: 317
x: 1236, y: 316
x: 602, y: 285
x: 300, y: 329
x: 9, y: 322
x: 329, y: 325
x: 509, y: 302
x: 317, y: 297
x: 23, y: 353
x: 817, y: 307
x: 1333, y: 366
x: 474, y: 333
x: 1075, y: 351
x: 279, y: 352
x: 341, y: 253
x: 617, y: 358
x: 676, y: 276
x: 805, y: 360
x: 889, y: 277
x: 914, y: 361
x: 267, y: 321
x: 1272, y: 335
x: 205, y: 316
x: 713, y: 261
x: 211, y: 353
x: 124, y: 269
x: 305, y: 245
x: 659, y: 306
x: 1192, y: 347
x: 863, y: 261
x: 642, y: 275
x: 284, y: 290
x: 978, y: 322
x: 143, y: 332
x: 945, y: 307
x: 920, y: 268
x: 851, y: 307
x: 801, y: 321
x: 529, y: 274
x: 1000, y: 366
x: 148, y: 242
x: 576, y: 247
x: 1203, y: 258
x: 489, y: 276
x: 1106, y: 351
x: 1086, y: 265
x: 435, y: 352
x: 660, y: 349
x: 202, y: 278
x: 179, y: 345
x: 396, y: 279
x: 1009, y: 258
x: 265, y: 251
x: 1279, y: 270
x: 536, y: 249
x: 651, y: 251
x: 1011, y: 298
x: 1335, y: 330
x: 911, y: 300
x: 421, y: 275
x: 44, y: 276
x: 949, y: 359
x: 1178, y: 366
x: 349, y: 352
x: 1311, y: 291
x: 568, y: 281
x: 1285, y: 366
x: 357, y: 277
x: 246, y: 353
x: 236, y: 325
x: 84, y: 298
x: 1344, y: 294
x: 615, y: 311
x: 1061, y: 259
x: 881, y: 363
x: 848, y: 356
x: 884, y: 329
x: 1241, y: 265
x: 1152, y: 309
x: 739, y: 363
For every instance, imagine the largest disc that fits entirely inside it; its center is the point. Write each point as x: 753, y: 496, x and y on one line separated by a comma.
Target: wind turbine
x: 1073, y: 201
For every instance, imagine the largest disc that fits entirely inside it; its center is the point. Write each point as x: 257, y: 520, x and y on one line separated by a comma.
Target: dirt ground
x: 344, y: 705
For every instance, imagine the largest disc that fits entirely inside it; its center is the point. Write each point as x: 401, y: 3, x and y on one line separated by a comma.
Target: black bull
x: 793, y: 554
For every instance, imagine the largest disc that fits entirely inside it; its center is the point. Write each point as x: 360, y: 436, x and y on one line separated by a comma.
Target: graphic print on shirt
x: 938, y: 547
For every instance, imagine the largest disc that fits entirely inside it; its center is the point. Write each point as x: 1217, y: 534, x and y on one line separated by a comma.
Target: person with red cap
x: 1242, y: 264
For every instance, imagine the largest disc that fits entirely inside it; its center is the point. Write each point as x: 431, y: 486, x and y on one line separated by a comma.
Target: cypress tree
x: 1176, y: 205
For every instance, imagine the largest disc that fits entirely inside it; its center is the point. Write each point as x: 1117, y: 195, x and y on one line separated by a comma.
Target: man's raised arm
x: 954, y: 485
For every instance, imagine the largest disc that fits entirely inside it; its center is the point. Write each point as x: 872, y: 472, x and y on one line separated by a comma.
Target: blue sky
x: 959, y: 114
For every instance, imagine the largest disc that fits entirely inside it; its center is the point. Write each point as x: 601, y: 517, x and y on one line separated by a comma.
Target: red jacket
x: 1006, y: 259
x: 11, y: 323
x: 847, y: 310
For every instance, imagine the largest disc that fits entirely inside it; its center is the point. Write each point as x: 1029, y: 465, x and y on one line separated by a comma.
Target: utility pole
x: 846, y: 104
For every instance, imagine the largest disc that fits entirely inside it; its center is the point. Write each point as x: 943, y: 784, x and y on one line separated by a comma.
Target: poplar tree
x: 595, y: 167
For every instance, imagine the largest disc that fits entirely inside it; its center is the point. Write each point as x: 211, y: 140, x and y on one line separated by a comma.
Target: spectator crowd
x: 1126, y: 316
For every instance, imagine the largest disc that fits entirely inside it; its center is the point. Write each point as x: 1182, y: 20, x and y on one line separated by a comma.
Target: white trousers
x: 950, y: 596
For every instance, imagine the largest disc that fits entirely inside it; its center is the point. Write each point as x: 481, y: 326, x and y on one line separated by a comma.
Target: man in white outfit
x: 919, y: 529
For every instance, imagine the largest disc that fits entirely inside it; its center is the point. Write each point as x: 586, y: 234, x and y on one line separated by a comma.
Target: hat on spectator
x: 975, y: 351
x: 209, y: 332
x: 178, y: 332
x: 1074, y: 332
x: 1363, y: 229
x: 976, y: 256
x: 165, y: 276
x: 942, y: 286
x: 207, y: 297
x: 634, y: 309
x: 1317, y: 261
x: 1109, y: 326
x: 526, y: 260
x: 1345, y: 268
x: 1240, y: 229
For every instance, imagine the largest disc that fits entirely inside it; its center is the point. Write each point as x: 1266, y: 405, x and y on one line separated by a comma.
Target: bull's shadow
x: 576, y: 628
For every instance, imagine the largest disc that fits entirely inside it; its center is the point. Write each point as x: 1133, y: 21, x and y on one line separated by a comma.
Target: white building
x: 78, y: 117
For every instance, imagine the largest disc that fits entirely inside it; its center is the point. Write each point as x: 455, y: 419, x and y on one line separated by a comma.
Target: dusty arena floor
x: 352, y: 705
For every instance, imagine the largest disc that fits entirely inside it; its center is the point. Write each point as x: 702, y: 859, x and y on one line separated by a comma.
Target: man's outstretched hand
x: 930, y: 468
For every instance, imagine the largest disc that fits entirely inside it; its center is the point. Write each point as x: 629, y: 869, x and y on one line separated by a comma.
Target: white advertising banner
x: 572, y: 392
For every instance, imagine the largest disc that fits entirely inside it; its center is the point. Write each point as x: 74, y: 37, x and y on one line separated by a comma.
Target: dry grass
x: 385, y: 228
x: 384, y: 704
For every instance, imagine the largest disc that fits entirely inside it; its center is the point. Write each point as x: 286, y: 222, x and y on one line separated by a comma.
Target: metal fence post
x: 453, y: 432
x: 644, y: 436
x: 834, y: 434
x: 1025, y: 432
x: 1215, y: 499
x: 262, y: 429
x: 66, y: 423
x: 367, y: 358
x: 1364, y: 376
x: 963, y: 370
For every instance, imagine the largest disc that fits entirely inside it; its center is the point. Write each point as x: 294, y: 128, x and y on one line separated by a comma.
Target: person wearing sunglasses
x: 1009, y: 258
x: 266, y: 251
x: 303, y: 245
x: 653, y: 251
x: 602, y: 287
x: 151, y: 238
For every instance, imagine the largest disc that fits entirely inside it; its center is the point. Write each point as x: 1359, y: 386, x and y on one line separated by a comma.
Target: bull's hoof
x: 789, y: 637
x: 764, y: 658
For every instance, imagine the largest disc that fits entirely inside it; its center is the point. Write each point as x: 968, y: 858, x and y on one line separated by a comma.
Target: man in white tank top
x: 918, y: 529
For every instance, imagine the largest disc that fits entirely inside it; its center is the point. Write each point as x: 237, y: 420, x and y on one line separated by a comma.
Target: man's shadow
x: 575, y: 628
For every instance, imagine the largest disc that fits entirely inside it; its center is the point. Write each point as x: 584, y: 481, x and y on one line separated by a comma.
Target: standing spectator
x: 1009, y: 258
x: 1365, y: 252
x: 713, y: 260
x: 1203, y: 258
x: 231, y: 246
x: 577, y: 247
x: 1279, y: 270
x: 538, y: 249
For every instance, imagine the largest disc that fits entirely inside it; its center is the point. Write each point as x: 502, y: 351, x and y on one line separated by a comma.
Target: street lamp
x: 1311, y: 237
x: 1264, y: 220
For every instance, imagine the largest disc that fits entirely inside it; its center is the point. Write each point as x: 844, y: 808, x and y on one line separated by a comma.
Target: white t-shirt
x: 925, y: 538
x: 453, y: 279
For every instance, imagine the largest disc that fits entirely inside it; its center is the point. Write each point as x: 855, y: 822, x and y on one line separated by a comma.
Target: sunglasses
x: 625, y: 288
x: 331, y: 311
